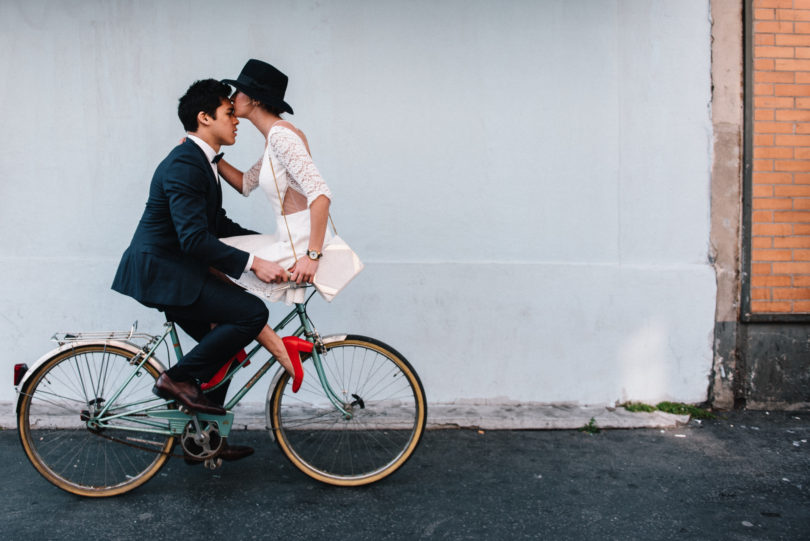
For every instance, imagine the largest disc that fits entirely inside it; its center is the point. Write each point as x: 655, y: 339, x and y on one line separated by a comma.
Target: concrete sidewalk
x: 545, y: 416
x: 512, y: 416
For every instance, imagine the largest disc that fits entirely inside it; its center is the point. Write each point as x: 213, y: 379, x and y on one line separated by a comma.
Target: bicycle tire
x: 388, y: 405
x: 55, y: 404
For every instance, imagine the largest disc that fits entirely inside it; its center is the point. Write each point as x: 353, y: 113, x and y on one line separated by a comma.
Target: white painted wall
x: 528, y: 182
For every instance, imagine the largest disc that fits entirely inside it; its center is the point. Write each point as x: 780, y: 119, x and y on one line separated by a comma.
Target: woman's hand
x: 304, y: 270
x: 268, y: 271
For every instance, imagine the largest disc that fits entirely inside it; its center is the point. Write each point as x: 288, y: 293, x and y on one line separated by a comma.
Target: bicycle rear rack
x: 63, y: 338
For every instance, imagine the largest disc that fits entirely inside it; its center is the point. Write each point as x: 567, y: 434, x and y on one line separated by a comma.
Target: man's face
x: 223, y: 127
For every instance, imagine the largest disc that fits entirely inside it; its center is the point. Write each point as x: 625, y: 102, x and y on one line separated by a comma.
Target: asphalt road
x: 744, y: 476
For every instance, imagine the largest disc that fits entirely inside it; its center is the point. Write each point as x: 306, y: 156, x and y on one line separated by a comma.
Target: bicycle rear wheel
x: 69, y: 389
x: 388, y: 410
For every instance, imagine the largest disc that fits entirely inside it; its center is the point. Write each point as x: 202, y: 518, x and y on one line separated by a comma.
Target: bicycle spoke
x: 39, y: 394
x: 90, y: 377
x: 67, y: 385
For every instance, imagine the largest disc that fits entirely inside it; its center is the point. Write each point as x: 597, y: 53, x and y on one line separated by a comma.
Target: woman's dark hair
x: 270, y: 109
x: 203, y: 96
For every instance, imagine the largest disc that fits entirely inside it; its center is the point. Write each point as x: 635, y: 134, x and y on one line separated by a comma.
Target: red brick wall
x: 780, y: 225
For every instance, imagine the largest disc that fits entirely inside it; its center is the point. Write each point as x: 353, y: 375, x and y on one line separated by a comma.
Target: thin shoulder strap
x: 281, y: 202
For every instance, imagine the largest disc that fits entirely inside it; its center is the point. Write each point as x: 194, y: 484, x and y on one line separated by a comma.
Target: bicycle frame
x: 177, y: 419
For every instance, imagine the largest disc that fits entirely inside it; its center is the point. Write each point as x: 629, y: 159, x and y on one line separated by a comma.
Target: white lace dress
x: 294, y: 170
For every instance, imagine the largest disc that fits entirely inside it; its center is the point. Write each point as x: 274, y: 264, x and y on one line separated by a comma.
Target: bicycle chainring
x: 201, y: 446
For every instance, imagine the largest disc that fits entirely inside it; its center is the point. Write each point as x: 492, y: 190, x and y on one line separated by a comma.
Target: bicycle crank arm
x: 178, y: 420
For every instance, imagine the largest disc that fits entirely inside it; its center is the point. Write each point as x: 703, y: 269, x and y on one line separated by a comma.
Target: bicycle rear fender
x: 128, y: 346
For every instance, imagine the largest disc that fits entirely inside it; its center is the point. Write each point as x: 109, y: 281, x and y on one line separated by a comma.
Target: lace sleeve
x: 250, y: 178
x: 292, y: 153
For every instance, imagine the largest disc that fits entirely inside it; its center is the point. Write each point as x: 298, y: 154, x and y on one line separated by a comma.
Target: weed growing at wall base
x: 638, y: 406
x: 683, y: 409
x: 677, y: 408
x: 591, y: 427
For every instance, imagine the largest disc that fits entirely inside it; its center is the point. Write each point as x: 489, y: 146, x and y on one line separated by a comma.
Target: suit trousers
x: 239, y: 317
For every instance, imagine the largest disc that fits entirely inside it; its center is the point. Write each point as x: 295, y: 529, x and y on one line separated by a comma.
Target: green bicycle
x: 89, y: 423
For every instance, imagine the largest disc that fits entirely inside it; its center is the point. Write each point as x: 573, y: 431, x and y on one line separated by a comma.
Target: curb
x: 512, y: 416
x: 546, y: 417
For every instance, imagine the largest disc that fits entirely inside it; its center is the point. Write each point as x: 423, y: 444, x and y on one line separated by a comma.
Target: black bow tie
x: 217, y: 157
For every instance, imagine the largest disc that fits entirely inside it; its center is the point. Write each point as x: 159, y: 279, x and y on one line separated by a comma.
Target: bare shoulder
x: 286, y: 124
x: 296, y: 131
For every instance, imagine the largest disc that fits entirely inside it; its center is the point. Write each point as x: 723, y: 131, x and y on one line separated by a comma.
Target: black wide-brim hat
x: 261, y: 81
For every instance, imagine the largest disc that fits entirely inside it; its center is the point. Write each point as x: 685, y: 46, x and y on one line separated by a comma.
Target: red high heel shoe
x: 239, y: 358
x: 294, y: 347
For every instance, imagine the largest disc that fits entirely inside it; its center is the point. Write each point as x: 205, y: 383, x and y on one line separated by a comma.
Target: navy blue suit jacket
x: 177, y: 238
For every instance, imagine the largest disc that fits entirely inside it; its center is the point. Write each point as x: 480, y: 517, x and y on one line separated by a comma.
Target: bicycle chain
x: 141, y: 447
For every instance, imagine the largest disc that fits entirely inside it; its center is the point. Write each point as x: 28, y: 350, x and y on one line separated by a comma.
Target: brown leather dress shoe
x: 186, y: 393
x: 228, y: 452
x: 234, y: 452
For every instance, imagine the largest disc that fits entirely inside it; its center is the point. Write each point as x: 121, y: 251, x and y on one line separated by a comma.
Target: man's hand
x: 269, y: 272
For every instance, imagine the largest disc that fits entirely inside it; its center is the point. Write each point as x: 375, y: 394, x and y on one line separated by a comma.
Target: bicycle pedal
x: 213, y: 463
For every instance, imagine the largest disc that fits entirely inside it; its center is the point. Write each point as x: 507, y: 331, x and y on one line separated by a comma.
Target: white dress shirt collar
x: 209, y: 152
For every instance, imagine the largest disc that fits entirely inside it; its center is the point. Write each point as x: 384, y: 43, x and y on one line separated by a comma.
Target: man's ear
x: 203, y: 119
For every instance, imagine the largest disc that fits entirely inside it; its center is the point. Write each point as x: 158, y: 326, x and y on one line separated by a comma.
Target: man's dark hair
x: 205, y: 96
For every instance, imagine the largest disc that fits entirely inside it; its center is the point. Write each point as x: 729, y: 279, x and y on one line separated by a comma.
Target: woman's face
x: 241, y: 104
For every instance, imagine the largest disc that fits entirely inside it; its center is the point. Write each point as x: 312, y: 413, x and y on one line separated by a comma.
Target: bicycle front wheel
x: 388, y: 411
x: 121, y: 451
